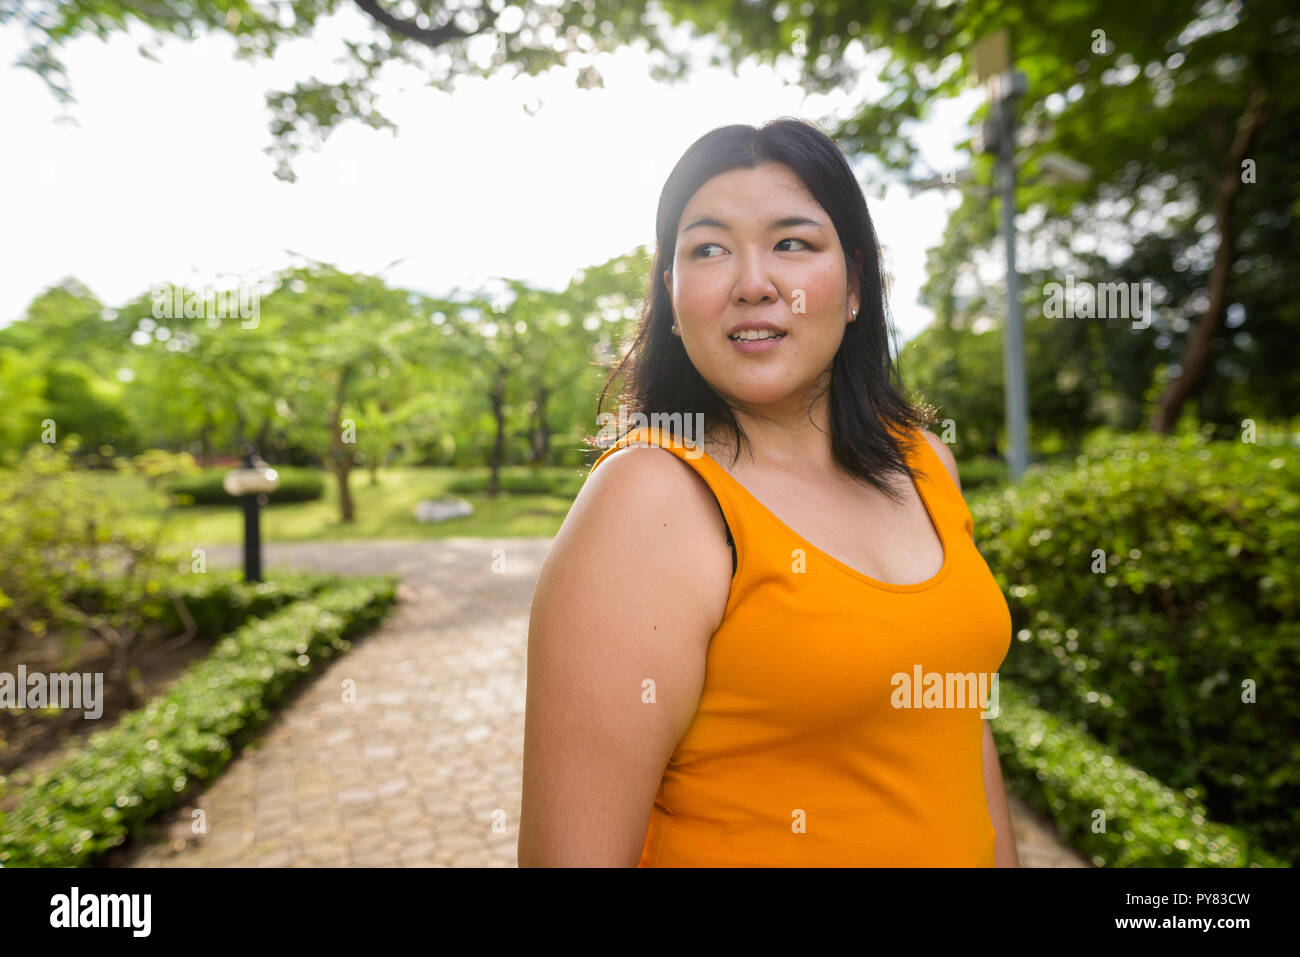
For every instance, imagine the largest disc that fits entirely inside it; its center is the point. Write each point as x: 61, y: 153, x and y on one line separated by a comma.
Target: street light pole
x: 1007, y: 87
x: 249, y: 484
x: 991, y: 62
x: 252, y: 531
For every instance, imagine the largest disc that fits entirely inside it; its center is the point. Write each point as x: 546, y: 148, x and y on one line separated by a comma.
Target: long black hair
x: 865, y: 388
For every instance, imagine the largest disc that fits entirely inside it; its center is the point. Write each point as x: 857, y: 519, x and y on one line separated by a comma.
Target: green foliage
x: 310, y: 109
x: 21, y: 410
x: 1084, y: 786
x: 981, y: 473
x: 1195, y: 602
x: 159, y: 465
x: 94, y: 798
x: 205, y: 488
x: 80, y: 402
x: 214, y: 602
x: 56, y: 531
x: 1164, y: 102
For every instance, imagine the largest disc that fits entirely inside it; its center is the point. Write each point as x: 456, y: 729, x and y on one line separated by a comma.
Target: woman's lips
x: 748, y: 346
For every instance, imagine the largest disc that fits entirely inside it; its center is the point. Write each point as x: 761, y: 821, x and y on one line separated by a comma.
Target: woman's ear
x: 855, y: 284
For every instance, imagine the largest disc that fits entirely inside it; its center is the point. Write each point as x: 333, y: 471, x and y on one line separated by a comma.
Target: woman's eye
x: 699, y: 255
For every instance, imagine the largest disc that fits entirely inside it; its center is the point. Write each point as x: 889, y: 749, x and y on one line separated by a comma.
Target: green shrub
x: 216, y: 601
x: 978, y: 473
x: 296, y: 485
x: 1196, y: 599
x: 97, y: 796
x: 159, y: 465
x: 1113, y: 812
x: 58, y: 530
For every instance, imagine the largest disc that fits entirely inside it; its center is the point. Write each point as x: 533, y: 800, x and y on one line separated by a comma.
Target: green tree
x: 446, y: 41
x: 61, y: 378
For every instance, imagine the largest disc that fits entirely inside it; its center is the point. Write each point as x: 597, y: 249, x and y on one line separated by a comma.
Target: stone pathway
x: 424, y: 768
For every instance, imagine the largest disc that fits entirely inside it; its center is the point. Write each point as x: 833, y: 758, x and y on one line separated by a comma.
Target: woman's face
x: 735, y: 264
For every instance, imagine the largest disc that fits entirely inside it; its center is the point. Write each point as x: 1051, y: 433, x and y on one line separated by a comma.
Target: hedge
x: 1196, y: 604
x: 296, y: 485
x: 97, y: 796
x: 1113, y: 812
x: 217, y: 601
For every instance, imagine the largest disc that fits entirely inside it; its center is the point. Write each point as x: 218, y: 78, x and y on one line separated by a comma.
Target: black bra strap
x: 729, y: 540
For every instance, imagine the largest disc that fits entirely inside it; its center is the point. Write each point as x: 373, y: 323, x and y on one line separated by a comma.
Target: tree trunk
x: 205, y: 441
x: 340, y: 451
x: 541, y: 433
x: 1198, y: 351
x: 498, y: 398
x: 264, y: 437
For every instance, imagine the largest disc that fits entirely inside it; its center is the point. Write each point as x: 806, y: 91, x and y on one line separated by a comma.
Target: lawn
x: 383, y: 510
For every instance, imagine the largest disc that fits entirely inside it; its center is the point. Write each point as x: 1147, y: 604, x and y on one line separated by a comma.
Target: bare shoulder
x: 645, y: 525
x: 945, y: 454
x: 651, y: 488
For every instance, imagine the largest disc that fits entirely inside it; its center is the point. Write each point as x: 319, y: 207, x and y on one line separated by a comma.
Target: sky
x: 158, y: 173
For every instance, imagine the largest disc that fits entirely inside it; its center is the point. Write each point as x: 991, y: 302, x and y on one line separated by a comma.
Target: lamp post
x: 991, y: 64
x: 250, y: 484
x: 1006, y: 88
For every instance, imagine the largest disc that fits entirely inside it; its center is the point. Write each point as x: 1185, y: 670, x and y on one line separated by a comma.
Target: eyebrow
x: 784, y: 222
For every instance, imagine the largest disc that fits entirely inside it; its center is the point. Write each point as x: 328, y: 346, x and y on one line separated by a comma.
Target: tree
x: 1133, y: 90
x: 75, y: 346
x: 447, y: 42
x: 342, y: 334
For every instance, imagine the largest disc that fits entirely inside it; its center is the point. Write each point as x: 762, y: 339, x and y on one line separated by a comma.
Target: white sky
x: 165, y: 179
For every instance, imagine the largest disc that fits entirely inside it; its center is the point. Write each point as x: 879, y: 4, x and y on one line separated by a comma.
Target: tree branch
x: 1198, y: 351
x: 410, y: 31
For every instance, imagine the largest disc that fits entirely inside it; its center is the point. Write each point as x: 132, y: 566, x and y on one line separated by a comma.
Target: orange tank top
x: 822, y: 737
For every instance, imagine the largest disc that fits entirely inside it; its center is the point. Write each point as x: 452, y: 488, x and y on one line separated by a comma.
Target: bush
x: 1195, y: 604
x: 205, y: 488
x: 58, y: 530
x: 93, y: 799
x: 159, y: 465
x: 215, y: 602
x: 1115, y: 813
x: 979, y: 473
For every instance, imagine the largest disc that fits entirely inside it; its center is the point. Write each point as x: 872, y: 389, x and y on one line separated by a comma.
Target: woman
x: 707, y: 686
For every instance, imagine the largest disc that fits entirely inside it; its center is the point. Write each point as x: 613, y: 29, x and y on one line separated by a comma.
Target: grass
x: 385, y: 510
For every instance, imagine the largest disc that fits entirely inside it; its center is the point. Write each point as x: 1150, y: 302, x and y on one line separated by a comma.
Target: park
x: 278, y: 484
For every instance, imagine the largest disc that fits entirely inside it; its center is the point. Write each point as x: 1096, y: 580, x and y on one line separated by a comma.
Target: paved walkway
x: 425, y: 768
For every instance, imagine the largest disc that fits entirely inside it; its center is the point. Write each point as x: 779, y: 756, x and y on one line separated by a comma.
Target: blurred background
x: 390, y: 252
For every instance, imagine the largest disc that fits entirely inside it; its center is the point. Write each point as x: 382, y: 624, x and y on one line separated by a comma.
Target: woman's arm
x: 1004, y: 847
x: 1004, y: 851
x: 632, y: 589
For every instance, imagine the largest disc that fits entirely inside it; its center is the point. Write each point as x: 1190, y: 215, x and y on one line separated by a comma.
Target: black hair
x: 865, y: 389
